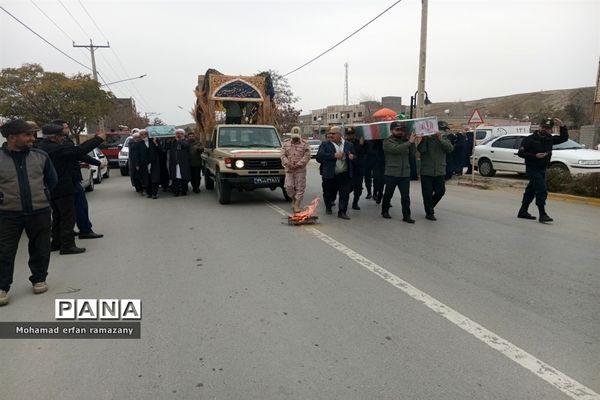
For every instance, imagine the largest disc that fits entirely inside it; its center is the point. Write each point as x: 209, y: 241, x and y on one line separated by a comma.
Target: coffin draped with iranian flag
x: 381, y: 130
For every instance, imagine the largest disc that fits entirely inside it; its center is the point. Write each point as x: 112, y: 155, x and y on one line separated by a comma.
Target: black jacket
x: 326, y: 157
x: 539, y: 142
x: 64, y: 156
x: 179, y: 153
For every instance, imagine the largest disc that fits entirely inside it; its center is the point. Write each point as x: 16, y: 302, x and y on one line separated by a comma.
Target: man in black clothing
x: 62, y: 200
x: 359, y: 165
x: 82, y: 216
x: 26, y: 176
x: 336, y: 158
x: 536, y: 149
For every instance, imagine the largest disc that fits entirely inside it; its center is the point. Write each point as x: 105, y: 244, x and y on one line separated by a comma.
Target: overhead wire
x: 130, y: 84
x: 44, y: 39
x: 70, y: 38
x: 75, y: 19
x: 343, y: 40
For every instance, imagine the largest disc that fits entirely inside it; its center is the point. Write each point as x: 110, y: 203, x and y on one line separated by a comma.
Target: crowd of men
x: 41, y: 194
x: 383, y: 165
x: 171, y: 163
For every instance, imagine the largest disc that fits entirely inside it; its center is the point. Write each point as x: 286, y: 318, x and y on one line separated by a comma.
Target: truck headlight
x: 588, y: 162
x: 239, y: 164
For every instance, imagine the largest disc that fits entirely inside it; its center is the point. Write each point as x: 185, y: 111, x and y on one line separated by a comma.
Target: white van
x: 485, y: 132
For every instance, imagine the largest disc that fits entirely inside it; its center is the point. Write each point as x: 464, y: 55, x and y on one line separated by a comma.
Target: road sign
x: 475, y: 117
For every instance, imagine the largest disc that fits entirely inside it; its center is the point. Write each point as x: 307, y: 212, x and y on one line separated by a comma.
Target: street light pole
x: 413, y: 99
x: 422, y: 59
x: 124, y: 80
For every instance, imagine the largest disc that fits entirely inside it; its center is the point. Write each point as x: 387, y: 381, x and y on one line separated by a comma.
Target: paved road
x: 238, y: 305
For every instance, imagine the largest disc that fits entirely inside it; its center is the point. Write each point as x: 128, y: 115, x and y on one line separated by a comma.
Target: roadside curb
x: 591, y: 201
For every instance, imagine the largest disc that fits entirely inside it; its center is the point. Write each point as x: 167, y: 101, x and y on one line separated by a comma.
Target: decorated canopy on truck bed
x: 253, y: 94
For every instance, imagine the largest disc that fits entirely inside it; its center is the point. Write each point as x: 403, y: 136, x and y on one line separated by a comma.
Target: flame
x: 308, y: 212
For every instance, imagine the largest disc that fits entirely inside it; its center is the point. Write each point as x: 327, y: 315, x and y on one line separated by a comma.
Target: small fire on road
x: 306, y: 216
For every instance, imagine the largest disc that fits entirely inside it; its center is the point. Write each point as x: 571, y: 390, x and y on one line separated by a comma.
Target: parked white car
x: 101, y: 171
x: 88, y: 177
x: 500, y: 154
x: 124, y: 157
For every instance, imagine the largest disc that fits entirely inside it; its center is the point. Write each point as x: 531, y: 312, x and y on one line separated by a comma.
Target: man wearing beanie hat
x: 62, y: 197
x: 26, y: 174
x: 295, y: 155
x: 536, y: 149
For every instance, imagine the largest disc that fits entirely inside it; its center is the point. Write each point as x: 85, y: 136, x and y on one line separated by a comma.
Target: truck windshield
x: 250, y: 136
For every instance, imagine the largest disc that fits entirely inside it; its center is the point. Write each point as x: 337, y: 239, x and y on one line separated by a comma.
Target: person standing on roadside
x: 295, y: 155
x: 398, y: 149
x: 62, y: 200
x: 536, y: 149
x: 82, y: 216
x: 433, y: 150
x: 26, y: 177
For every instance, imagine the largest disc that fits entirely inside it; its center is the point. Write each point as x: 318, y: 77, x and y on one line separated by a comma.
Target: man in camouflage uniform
x: 295, y: 155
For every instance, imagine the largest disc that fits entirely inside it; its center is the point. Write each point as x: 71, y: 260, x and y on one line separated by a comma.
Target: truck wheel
x: 209, y: 183
x: 223, y: 190
x: 124, y: 171
x: 485, y: 167
x: 285, y: 195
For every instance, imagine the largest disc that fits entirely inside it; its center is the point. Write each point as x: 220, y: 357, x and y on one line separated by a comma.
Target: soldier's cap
x: 443, y: 126
x: 547, y: 123
x: 350, y: 130
x: 17, y: 126
x: 52, y: 130
x: 397, y: 124
x: 295, y: 132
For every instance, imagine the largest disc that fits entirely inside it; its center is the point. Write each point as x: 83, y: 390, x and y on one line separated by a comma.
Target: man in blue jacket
x: 536, y: 149
x: 26, y: 178
x: 336, y: 156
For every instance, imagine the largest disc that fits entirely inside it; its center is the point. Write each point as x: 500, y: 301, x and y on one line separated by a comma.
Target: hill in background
x: 573, y: 106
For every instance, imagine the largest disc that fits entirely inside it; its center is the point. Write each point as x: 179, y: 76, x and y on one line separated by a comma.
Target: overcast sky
x: 475, y: 48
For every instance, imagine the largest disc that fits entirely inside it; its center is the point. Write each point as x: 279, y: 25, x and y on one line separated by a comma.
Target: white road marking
x: 551, y: 375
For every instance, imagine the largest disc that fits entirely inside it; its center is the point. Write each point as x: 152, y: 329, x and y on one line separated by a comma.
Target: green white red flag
x: 381, y: 130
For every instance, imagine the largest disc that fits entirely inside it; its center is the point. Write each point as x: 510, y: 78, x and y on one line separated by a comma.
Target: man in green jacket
x: 397, y: 150
x: 433, y: 151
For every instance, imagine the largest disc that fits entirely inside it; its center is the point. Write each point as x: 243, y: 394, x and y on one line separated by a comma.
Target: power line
x: 55, y: 24
x: 74, y: 19
x: 131, y: 85
x: 41, y: 37
x: 343, y: 40
x: 93, y: 20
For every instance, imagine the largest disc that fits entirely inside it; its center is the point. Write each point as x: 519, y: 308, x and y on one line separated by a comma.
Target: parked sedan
x: 101, y: 171
x: 500, y: 154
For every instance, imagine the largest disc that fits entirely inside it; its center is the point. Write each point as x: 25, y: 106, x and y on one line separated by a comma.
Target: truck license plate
x: 266, y: 180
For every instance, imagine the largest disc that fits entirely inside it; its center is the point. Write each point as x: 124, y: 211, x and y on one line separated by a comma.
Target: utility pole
x: 346, y: 85
x: 422, y: 58
x: 93, y: 48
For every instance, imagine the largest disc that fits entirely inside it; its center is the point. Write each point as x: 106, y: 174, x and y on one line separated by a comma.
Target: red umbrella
x: 385, y: 113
